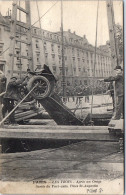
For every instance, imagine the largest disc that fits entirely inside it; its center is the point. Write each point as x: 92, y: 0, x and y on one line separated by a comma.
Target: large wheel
x: 43, y: 88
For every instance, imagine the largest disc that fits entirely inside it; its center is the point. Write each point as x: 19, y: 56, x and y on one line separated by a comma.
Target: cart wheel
x: 43, y: 88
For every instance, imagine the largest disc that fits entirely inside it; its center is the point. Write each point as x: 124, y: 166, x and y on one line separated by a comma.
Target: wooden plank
x: 59, y: 112
x: 25, y: 113
x: 59, y: 127
x: 26, y: 117
x: 57, y: 134
x: 22, y: 9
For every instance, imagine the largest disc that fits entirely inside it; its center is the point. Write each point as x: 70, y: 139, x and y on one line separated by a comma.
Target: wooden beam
x: 57, y: 134
x: 57, y: 127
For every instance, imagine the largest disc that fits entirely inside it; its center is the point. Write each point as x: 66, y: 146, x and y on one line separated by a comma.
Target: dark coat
x: 111, y: 88
x: 2, y: 83
x: 13, y: 89
x: 118, y: 83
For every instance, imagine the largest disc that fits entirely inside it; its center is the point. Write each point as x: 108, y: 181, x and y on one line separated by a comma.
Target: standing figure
x: 118, y: 91
x: 111, y: 92
x: 12, y: 95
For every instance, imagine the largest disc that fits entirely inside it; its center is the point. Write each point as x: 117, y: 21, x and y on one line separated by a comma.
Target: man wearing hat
x: 12, y: 95
x: 118, y: 91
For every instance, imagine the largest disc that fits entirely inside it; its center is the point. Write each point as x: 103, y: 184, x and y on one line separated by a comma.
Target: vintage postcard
x: 61, y: 97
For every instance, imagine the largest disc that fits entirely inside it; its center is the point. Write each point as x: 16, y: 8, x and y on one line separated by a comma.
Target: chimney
x: 69, y: 30
x: 10, y: 12
x: 84, y: 36
x: 74, y: 32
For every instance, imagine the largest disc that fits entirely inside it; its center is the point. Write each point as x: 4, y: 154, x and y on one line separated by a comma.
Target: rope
x: 36, y: 22
x: 18, y: 104
x: 45, y: 13
x: 4, y: 51
x: 1, y: 94
x: 94, y: 62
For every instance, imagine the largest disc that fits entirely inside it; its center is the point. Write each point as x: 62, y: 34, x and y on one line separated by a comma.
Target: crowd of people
x: 82, y: 90
x: 12, y: 93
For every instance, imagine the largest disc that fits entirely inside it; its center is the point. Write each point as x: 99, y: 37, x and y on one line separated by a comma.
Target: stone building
x: 78, y: 54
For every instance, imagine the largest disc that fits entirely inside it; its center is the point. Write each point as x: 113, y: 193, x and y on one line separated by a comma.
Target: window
x: 73, y: 61
x: 60, y: 70
x: 47, y: 34
x: 46, y: 58
x: 17, y: 53
x: 68, y: 83
x: 35, y: 31
x: 78, y: 61
x: 53, y: 57
x: 79, y: 69
x: 0, y: 34
x: 1, y: 48
x: 73, y: 51
x: 54, y: 69
x: 59, y: 49
x: 87, y: 54
x: 85, y: 82
x: 64, y: 40
x: 45, y: 46
x: 78, y: 52
x: 57, y: 38
x: 19, y: 66
x: 59, y: 62
x: 38, y: 57
x: 74, y: 70
x: 91, y: 55
x: 37, y: 44
x: 51, y: 36
x: 64, y: 50
x: 52, y: 47
x: 71, y: 40
x: 66, y: 71
x: 83, y: 60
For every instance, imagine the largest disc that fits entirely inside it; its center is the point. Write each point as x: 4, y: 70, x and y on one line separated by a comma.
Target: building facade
x: 47, y: 49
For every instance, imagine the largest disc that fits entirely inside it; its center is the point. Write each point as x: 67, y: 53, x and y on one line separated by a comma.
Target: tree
x: 119, y: 39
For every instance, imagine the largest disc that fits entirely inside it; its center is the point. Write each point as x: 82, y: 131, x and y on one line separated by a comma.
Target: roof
x: 4, y: 19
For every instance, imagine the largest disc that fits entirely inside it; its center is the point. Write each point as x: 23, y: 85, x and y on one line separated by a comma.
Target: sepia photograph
x: 62, y: 97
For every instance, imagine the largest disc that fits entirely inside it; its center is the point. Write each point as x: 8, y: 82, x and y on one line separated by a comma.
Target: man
x: 111, y: 93
x: 118, y: 91
x: 12, y: 95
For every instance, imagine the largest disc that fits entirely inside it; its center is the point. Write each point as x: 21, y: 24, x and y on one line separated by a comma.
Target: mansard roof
x: 4, y: 19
